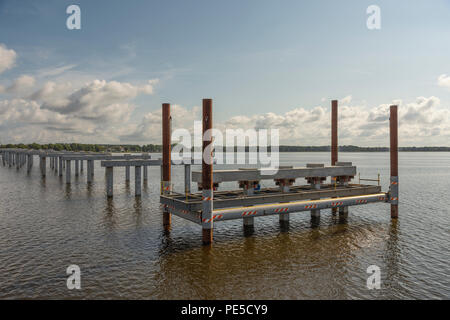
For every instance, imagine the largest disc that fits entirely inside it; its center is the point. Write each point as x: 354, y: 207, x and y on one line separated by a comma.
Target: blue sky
x: 251, y: 57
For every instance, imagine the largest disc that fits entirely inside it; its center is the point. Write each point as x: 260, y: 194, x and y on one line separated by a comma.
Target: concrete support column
x: 343, y: 211
x: 44, y: 166
x: 109, y: 181
x: 145, y: 168
x: 248, y: 190
x: 284, y: 216
x: 127, y: 174
x: 137, y: 181
x: 187, y: 178
x: 18, y: 161
x: 77, y: 168
x: 81, y: 166
x: 316, y: 185
x: 60, y: 166
x: 29, y: 157
x: 68, y: 172
x: 89, y: 165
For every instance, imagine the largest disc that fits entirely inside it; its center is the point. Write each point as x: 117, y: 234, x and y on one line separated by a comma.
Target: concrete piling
x: 145, y: 169
x: 77, y: 168
x: 60, y: 166
x: 127, y: 174
x: 68, y: 172
x: 89, y: 174
x: 43, y: 166
x: 137, y: 181
x: 109, y: 181
x: 29, y: 160
x: 187, y: 178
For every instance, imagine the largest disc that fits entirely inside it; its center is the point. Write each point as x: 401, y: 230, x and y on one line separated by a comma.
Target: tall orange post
x: 207, y: 174
x: 334, y: 132
x: 393, y: 189
x: 166, y: 140
x: 334, y: 138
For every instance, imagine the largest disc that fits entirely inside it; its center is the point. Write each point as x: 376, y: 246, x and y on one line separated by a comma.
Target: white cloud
x: 98, y: 109
x: 444, y: 81
x: 7, y: 58
x: 21, y: 84
x: 346, y: 99
x: 50, y: 72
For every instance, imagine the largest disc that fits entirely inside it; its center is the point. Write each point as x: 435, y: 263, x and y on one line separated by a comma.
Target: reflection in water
x: 284, y: 226
x: 138, y: 211
x: 68, y: 191
x: 110, y: 216
x: 315, y: 221
x: 392, y: 256
x: 125, y: 252
x: 248, y: 230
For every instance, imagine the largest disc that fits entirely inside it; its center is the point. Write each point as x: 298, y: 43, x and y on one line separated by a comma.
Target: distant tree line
x: 158, y: 148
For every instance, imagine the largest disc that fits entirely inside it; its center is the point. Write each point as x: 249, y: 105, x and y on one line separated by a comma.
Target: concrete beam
x: 288, y: 173
x: 131, y: 163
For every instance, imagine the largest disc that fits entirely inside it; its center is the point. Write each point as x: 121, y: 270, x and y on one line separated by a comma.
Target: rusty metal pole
x: 334, y: 132
x: 334, y: 140
x: 207, y: 174
x: 166, y: 178
x: 393, y: 190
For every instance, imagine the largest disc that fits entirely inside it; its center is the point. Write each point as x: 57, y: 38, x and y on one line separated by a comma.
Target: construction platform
x: 237, y: 204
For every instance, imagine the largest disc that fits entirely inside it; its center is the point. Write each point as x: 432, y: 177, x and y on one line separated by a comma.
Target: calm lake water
x: 123, y: 252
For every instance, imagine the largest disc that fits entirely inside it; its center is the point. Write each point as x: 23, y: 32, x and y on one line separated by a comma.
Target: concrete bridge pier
x: 77, y: 168
x: 127, y: 174
x: 60, y: 166
x: 284, y: 186
x: 68, y: 172
x: 187, y: 178
x: 81, y: 166
x: 109, y: 181
x: 316, y: 185
x: 137, y: 181
x: 90, y: 170
x: 43, y: 161
x: 18, y: 160
x: 29, y: 160
x: 145, y: 173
